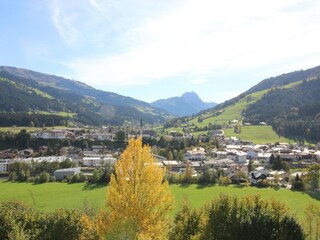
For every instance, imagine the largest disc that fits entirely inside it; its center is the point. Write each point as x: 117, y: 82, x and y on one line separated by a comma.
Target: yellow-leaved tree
x: 139, y: 200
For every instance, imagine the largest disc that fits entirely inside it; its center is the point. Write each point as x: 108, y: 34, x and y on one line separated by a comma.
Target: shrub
x: 235, y: 218
x: 44, y: 177
x: 18, y: 221
x: 31, y: 179
x: 53, y: 179
x: 224, y: 181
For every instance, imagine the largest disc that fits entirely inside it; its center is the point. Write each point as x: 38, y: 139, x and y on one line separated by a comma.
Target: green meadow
x: 256, y: 134
x: 50, y: 196
x: 29, y: 129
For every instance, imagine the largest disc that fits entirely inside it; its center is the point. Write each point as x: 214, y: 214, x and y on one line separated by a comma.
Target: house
x: 237, y: 174
x: 281, y: 174
x: 258, y: 175
x: 104, y: 136
x: 264, y: 156
x: 237, y: 156
x: 4, y: 165
x: 60, y: 174
x: 253, y: 154
x: 95, y: 161
x: 221, y: 154
x: 171, y: 165
x: 53, y: 134
x: 197, y: 154
x: 221, y: 163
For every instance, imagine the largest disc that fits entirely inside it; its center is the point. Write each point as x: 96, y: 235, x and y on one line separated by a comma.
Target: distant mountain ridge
x: 189, y: 103
x: 29, y: 91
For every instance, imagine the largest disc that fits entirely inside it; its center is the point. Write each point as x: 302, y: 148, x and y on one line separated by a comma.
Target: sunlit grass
x: 51, y: 196
x: 28, y: 129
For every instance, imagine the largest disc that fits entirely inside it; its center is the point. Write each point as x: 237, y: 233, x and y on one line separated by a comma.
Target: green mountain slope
x: 289, y: 103
x: 29, y: 92
x: 293, y: 111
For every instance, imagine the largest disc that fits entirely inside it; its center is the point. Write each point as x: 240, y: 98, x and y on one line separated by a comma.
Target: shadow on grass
x: 315, y: 195
x: 184, y: 185
x: 92, y: 186
x: 202, y: 186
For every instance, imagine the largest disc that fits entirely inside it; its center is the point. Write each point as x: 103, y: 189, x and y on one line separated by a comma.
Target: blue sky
x: 158, y: 49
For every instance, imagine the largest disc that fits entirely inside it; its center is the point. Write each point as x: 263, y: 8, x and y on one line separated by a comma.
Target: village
x: 240, y: 162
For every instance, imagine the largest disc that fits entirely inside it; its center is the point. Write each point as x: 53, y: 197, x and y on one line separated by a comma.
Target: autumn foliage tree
x: 139, y: 200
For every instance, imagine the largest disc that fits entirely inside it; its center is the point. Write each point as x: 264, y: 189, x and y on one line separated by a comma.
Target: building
x: 53, y: 134
x: 4, y: 165
x: 60, y: 174
x: 197, y: 154
x: 96, y: 161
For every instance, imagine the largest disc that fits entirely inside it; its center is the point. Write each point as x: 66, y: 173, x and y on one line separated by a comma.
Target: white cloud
x: 190, y: 38
x: 198, y: 81
x: 223, y: 96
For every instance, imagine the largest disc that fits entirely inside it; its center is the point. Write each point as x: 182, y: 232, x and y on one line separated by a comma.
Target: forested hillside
x: 38, y: 97
x: 291, y: 111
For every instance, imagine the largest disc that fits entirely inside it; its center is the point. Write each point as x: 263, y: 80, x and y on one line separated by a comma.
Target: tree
x: 272, y: 159
x: 67, y: 164
x: 187, y: 223
x: 312, y: 213
x: 313, y: 177
x: 23, y: 139
x: 138, y: 198
x: 170, y: 155
x: 120, y: 136
x: 249, y: 217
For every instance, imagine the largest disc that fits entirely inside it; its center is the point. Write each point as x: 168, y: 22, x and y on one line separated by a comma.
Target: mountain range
x: 43, y: 94
x: 189, y: 103
x: 48, y: 99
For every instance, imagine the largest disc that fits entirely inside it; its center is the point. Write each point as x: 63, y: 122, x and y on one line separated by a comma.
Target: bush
x: 31, y: 179
x: 53, y: 179
x: 224, y: 181
x: 18, y: 221
x: 235, y: 218
x: 77, y: 178
x: 37, y: 179
x: 44, y: 177
x: 12, y: 176
x: 263, y: 183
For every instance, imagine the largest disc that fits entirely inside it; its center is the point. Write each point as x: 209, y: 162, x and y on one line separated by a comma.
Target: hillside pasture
x: 256, y: 134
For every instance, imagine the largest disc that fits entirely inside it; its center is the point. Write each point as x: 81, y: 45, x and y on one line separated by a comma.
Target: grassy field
x: 51, y: 196
x: 62, y: 114
x: 29, y: 129
x: 256, y: 134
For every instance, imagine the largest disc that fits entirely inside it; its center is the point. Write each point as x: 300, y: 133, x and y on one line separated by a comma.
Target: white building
x: 95, y: 161
x: 65, y: 172
x: 237, y: 156
x: 52, y: 134
x: 104, y: 136
x: 198, y: 154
